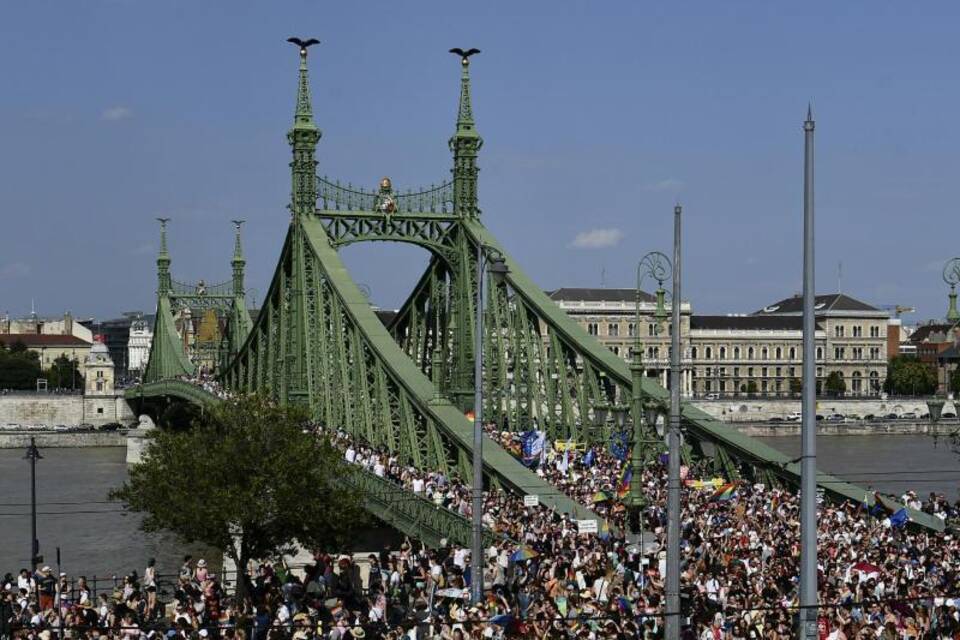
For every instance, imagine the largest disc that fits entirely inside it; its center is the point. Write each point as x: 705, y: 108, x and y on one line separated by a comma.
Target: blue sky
x: 595, y: 116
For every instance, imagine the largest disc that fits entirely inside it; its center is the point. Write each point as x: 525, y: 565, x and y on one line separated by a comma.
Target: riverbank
x: 63, y: 440
x: 787, y: 429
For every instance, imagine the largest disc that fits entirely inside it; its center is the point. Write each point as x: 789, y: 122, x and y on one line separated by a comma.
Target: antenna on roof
x: 839, y: 275
x: 603, y: 276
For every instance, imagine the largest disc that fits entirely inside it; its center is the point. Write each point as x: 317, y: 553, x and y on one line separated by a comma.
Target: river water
x: 97, y: 538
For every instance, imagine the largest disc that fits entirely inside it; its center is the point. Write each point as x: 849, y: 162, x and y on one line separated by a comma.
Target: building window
x: 793, y: 372
x: 613, y: 330
x: 793, y: 353
x: 874, y: 353
x: 723, y: 386
x: 857, y: 331
x: 99, y: 409
x: 616, y: 351
x: 708, y: 353
x: 723, y: 353
x: 819, y: 353
x: 764, y: 354
x: 99, y: 374
x: 874, y: 332
x: 99, y: 385
x: 838, y: 331
x: 750, y: 353
x: 723, y: 371
x: 736, y: 353
x: 857, y: 382
x: 632, y: 330
x: 763, y: 372
x: 839, y: 353
x: 706, y: 385
x: 750, y: 372
x: 779, y: 372
x: 779, y: 353
x: 693, y: 352
x: 736, y: 372
x: 593, y: 328
x: 819, y: 372
x: 779, y: 386
x: 764, y: 386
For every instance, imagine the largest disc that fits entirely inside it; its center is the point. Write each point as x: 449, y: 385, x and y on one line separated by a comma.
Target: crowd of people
x: 879, y: 577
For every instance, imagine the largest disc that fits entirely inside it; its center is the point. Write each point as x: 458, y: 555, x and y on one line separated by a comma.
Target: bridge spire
x: 303, y: 138
x: 164, y: 283
x: 238, y: 261
x: 465, y: 144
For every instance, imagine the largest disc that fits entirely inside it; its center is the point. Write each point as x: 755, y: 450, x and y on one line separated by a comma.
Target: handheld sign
x: 531, y: 500
x: 587, y: 526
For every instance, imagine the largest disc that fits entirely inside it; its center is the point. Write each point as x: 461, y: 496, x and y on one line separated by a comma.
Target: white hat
x: 204, y: 633
x: 201, y: 562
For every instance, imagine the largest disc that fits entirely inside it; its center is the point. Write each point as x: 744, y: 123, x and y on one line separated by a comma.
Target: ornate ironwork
x: 332, y: 195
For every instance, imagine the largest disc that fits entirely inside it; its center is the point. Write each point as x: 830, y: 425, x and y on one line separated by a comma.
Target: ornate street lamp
x: 951, y: 275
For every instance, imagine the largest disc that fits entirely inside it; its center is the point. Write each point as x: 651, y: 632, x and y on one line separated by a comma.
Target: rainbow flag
x: 623, y: 485
x: 600, y: 496
x: 725, y: 492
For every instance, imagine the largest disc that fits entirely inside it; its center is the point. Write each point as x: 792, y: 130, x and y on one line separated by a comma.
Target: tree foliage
x: 751, y: 386
x: 796, y: 386
x: 955, y: 382
x: 835, y: 383
x: 909, y: 376
x: 64, y: 373
x: 246, y: 479
x: 19, y: 367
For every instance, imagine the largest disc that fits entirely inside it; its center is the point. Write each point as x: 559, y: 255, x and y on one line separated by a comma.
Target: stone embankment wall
x: 70, y: 410
x: 53, y: 440
x: 754, y: 410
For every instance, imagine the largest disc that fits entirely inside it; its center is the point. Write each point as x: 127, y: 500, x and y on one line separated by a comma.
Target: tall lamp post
x: 657, y: 266
x: 808, y: 456
x: 497, y: 267
x: 672, y: 626
x: 33, y: 454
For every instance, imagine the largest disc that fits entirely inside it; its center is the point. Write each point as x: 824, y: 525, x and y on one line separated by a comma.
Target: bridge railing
x: 414, y: 514
x: 332, y: 195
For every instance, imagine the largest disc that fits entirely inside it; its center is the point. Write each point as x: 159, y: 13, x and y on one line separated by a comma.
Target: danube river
x: 97, y: 538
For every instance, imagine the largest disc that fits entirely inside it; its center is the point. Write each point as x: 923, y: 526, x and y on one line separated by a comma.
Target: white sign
x: 587, y: 526
x: 531, y: 500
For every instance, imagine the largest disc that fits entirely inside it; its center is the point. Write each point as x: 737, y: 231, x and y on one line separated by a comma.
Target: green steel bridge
x: 408, y: 385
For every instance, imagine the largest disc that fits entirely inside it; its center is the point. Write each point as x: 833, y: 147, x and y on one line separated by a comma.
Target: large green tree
x: 19, y: 367
x: 907, y: 375
x: 955, y: 381
x: 64, y: 373
x: 835, y: 384
x: 248, y: 479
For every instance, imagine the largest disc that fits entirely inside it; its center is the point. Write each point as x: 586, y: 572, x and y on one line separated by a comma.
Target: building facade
x: 759, y: 354
x: 99, y: 369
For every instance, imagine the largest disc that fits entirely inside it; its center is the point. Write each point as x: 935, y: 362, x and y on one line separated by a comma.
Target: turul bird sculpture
x: 464, y: 55
x: 303, y: 44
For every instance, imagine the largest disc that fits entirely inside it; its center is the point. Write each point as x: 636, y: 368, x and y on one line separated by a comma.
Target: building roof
x: 386, y: 315
x: 42, y: 340
x: 826, y: 303
x: 748, y: 323
x: 925, y: 332
x: 599, y: 295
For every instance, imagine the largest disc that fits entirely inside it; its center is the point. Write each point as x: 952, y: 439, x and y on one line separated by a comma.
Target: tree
x: 752, y: 387
x: 248, y: 480
x: 835, y: 384
x: 955, y: 382
x: 19, y: 367
x: 909, y: 376
x: 795, y: 385
x: 64, y: 373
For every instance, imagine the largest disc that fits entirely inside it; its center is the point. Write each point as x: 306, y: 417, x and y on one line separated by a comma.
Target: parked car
x: 712, y: 396
x: 819, y: 417
x: 853, y: 417
x: 836, y: 417
x: 948, y: 414
x: 869, y: 416
x: 776, y: 419
x: 909, y: 415
x: 891, y: 416
x: 794, y: 417
x: 113, y: 426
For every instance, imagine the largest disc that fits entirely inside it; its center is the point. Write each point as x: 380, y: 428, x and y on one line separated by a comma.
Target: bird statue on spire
x: 303, y: 44
x: 464, y: 55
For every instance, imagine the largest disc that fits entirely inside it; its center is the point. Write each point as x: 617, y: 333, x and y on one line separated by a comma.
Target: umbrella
x: 523, y: 554
x: 866, y: 567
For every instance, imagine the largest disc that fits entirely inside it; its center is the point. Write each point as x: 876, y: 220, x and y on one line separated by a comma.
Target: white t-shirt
x: 417, y: 485
x: 351, y: 455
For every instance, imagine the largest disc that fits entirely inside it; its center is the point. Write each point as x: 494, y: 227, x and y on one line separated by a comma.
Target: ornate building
x: 99, y: 371
x: 739, y: 355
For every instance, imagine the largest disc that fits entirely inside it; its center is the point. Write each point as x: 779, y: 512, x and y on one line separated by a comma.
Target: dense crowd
x: 879, y: 577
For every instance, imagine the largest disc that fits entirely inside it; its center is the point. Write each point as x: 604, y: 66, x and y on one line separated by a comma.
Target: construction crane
x: 898, y: 309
